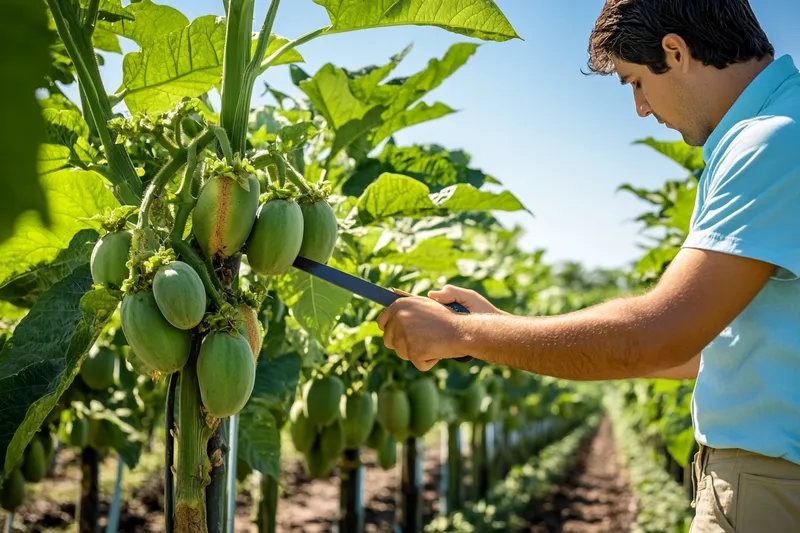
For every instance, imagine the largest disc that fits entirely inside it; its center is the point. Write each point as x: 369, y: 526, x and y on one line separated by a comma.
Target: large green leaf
x: 147, y: 22
x: 418, y: 114
x: 437, y: 255
x: 330, y: 93
x: 476, y: 18
x: 68, y: 127
x: 315, y: 304
x: 185, y: 62
x: 74, y: 196
x: 689, y: 157
x: 465, y: 197
x: 24, y: 39
x: 42, y: 357
x: 266, y: 411
x: 25, y: 289
x: 396, y: 195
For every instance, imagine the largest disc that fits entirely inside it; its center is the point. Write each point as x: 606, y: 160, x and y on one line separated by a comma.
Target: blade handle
x: 458, y: 308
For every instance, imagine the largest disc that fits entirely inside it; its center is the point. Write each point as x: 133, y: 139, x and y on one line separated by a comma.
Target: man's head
x: 680, y: 57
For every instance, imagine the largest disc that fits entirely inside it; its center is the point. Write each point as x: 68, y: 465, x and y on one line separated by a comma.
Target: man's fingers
x: 385, y: 316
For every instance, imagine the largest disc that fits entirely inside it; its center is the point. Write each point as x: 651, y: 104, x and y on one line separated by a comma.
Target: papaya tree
x: 148, y: 217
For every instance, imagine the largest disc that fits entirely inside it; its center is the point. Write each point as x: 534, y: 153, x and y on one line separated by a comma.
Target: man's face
x: 669, y: 97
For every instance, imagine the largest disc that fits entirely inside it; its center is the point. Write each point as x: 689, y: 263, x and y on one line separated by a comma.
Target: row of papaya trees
x: 146, y: 272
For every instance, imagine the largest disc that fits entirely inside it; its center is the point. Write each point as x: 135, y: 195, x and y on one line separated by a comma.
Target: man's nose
x: 642, y: 107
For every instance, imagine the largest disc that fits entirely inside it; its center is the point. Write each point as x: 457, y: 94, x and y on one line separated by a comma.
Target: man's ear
x: 677, y: 52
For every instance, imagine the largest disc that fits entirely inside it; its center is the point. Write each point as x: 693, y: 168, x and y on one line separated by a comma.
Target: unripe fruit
x: 180, y: 295
x: 320, y: 231
x: 276, y: 238
x: 158, y: 344
x: 226, y: 373
x: 224, y: 215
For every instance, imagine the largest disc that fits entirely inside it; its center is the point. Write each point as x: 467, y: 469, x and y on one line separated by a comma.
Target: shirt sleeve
x: 751, y: 206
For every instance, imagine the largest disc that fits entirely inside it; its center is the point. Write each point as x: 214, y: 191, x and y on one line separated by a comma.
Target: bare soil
x: 594, y: 497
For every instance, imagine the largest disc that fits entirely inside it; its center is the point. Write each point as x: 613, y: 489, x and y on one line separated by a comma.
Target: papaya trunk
x: 216, y: 502
x: 410, y: 510
x: 478, y: 460
x: 351, y: 504
x: 169, y: 455
x: 454, y: 467
x: 194, y: 466
x: 89, y: 509
x: 268, y: 508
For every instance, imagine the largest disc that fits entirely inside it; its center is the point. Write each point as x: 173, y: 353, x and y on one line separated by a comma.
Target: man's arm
x: 700, y: 293
x: 688, y: 370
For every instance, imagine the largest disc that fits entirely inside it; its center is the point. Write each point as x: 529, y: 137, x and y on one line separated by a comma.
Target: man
x: 727, y: 310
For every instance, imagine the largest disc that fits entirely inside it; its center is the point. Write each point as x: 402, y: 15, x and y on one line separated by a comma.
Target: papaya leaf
x: 267, y: 411
x: 355, y: 129
x: 185, y: 62
x: 476, y: 18
x: 274, y: 43
x: 393, y: 195
x: 43, y: 356
x: 106, y: 40
x: 145, y: 22
x: 437, y: 255
x: 74, y: 196
x: 25, y: 289
x: 67, y: 127
x: 465, y: 197
x: 24, y: 39
x: 52, y: 157
x: 315, y: 304
x: 689, y: 157
x: 329, y: 92
x: 420, y: 113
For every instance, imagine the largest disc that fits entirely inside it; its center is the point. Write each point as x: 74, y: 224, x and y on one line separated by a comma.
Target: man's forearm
x: 688, y: 370
x: 613, y: 340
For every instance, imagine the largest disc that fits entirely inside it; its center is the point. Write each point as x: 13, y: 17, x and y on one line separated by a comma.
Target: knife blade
x: 365, y: 289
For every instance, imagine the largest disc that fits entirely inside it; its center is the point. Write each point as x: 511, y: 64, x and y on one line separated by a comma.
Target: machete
x: 363, y: 288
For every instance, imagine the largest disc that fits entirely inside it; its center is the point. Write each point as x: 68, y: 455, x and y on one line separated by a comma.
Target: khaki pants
x: 743, y: 492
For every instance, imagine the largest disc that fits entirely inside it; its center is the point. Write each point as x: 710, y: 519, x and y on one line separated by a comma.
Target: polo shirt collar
x: 752, y: 99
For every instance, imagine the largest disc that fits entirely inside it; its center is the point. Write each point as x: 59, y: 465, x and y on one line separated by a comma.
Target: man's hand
x: 470, y: 299
x: 421, y: 330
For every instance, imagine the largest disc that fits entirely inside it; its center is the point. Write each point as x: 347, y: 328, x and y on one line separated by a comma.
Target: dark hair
x: 718, y: 33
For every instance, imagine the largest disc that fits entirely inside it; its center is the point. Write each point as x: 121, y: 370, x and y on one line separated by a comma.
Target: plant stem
x: 91, y: 18
x: 192, y: 435
x: 169, y: 455
x: 224, y: 143
x: 128, y: 186
x: 276, y: 55
x: 294, y: 176
x: 88, y: 508
x: 237, y: 53
x: 215, y: 492
x: 238, y: 128
x: 268, y: 508
x: 113, y: 511
x: 206, y: 275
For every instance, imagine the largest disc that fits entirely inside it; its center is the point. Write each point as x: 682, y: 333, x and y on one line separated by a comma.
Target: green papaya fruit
x: 377, y: 435
x: 332, y: 440
x: 276, y: 238
x: 252, y: 330
x: 318, y: 466
x: 99, y: 368
x: 358, y: 415
x: 180, y: 294
x: 387, y: 453
x: 13, y: 493
x: 34, y: 464
x: 99, y: 434
x: 109, y: 255
x: 394, y: 410
x: 469, y: 408
x: 79, y: 433
x: 224, y: 214
x: 159, y: 344
x: 423, y: 397
x: 226, y: 372
x: 303, y: 431
x: 320, y: 231
x: 321, y: 399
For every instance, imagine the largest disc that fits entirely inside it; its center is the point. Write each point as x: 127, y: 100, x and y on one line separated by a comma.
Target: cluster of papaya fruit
x: 166, y: 303
x: 328, y: 420
x: 32, y: 468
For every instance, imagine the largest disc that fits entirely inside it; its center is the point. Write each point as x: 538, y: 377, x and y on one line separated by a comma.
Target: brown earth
x: 594, y: 498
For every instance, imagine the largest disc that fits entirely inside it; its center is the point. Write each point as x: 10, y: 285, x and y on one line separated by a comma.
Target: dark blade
x: 363, y: 288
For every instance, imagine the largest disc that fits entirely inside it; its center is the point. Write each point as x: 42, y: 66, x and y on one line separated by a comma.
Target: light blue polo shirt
x: 747, y: 393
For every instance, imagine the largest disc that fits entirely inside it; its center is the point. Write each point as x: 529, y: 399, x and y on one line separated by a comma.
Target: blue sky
x: 559, y: 140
